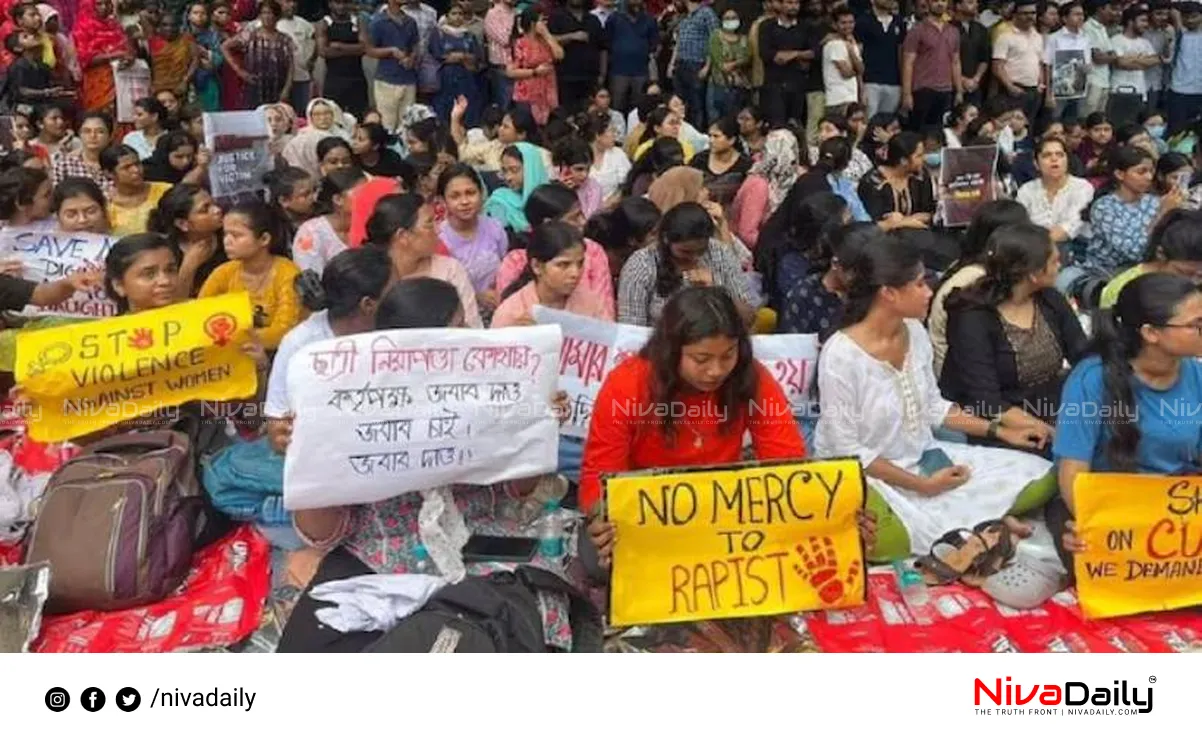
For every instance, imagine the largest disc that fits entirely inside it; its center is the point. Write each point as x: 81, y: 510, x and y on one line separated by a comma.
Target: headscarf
x: 507, y: 205
x: 289, y: 114
x: 94, y: 36
x: 302, y: 150
x: 676, y: 186
x: 58, y: 40
x: 779, y: 165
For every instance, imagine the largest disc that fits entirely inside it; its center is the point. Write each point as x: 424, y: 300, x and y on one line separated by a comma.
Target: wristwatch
x: 994, y: 425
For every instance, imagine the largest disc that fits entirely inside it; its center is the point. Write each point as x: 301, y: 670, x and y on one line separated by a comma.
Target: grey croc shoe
x: 1032, y: 577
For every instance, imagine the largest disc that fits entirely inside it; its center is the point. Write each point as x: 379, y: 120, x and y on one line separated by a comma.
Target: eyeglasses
x: 1194, y: 326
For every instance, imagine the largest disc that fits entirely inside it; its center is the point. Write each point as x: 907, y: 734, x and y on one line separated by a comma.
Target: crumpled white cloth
x: 19, y: 493
x: 371, y: 603
x: 443, y: 532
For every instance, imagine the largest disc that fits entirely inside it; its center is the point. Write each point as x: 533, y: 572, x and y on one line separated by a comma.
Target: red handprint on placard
x: 820, y: 568
x: 141, y: 339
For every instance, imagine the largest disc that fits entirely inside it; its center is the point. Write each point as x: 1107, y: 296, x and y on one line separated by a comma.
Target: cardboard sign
x: 133, y: 83
x: 754, y: 540
x: 239, y: 141
x: 50, y: 256
x: 1144, y: 540
x: 966, y: 176
x: 380, y: 414
x: 84, y: 378
x: 591, y: 348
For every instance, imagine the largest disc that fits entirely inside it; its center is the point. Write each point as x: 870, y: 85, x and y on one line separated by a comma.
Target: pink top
x: 590, y: 196
x: 519, y: 305
x: 749, y: 210
x: 596, y: 281
x: 453, y: 272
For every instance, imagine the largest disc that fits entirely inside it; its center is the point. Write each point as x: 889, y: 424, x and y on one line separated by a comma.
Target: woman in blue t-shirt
x: 1131, y: 405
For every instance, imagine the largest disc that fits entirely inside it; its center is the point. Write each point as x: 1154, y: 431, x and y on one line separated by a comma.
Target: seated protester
x: 326, y: 234
x: 403, y: 225
x: 815, y: 304
x: 1175, y: 247
x: 1026, y: 166
x: 372, y: 147
x: 1010, y: 333
x: 556, y: 202
x: 723, y: 164
x: 662, y: 122
x: 1154, y: 124
x: 932, y: 147
x: 1143, y: 366
x: 684, y: 255
x: 95, y: 134
x: 25, y: 198
x: 1121, y: 218
x: 793, y: 241
x: 29, y: 78
x: 333, y: 153
x: 191, y: 220
x: 969, y: 268
x: 150, y: 123
x: 881, y: 128
x: 697, y: 359
x: 753, y: 131
x: 1099, y: 138
x: 957, y: 123
x: 573, y: 159
x: 385, y: 537
x: 54, y: 132
x: 257, y: 265
x: 766, y: 186
x: 476, y: 241
x: 622, y: 230
x: 177, y: 159
x: 552, y: 278
x: 835, y: 126
x: 1056, y: 199
x: 133, y: 197
x: 522, y: 170
x: 1173, y: 171
x: 324, y: 120
x: 879, y: 367
x: 291, y: 193
x: 610, y: 163
x: 636, y: 120
x: 79, y: 206
x: 664, y: 155
x: 828, y: 173
x: 679, y: 185
x: 517, y: 125
x: 191, y: 120
x: 343, y: 302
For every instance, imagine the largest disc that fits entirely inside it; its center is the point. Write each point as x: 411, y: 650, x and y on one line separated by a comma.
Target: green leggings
x: 893, y: 542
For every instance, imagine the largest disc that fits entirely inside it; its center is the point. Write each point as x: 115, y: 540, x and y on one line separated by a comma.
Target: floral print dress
x: 540, y: 92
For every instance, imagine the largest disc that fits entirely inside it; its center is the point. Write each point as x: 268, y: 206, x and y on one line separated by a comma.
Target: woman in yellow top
x: 662, y: 122
x: 133, y: 197
x: 254, y: 245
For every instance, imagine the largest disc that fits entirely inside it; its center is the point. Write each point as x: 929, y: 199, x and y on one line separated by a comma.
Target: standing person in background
x: 881, y: 33
x: 931, y: 81
x: 604, y: 11
x: 1018, y: 61
x: 842, y: 63
x: 581, y: 69
x: 232, y: 88
x: 264, y: 58
x: 1185, y: 85
x: 393, y: 39
x: 498, y: 31
x: 535, y: 51
x: 1070, y: 38
x: 208, y: 48
x: 786, y: 53
x: 1134, y: 56
x: 692, y: 51
x: 975, y: 50
x: 771, y: 9
x: 99, y: 41
x: 1101, y: 52
x: 1162, y: 36
x: 461, y: 56
x: 632, y: 37
x: 817, y: 28
x: 426, y: 19
x: 726, y: 69
x: 342, y: 41
x: 304, y: 52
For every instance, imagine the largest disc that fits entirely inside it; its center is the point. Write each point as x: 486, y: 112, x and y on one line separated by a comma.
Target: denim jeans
x: 688, y: 85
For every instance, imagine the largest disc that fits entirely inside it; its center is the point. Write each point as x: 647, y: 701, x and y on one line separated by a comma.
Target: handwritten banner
x: 132, y: 83
x: 50, y: 256
x: 1144, y: 543
x: 84, y: 378
x: 967, y: 178
x: 756, y: 540
x: 380, y: 414
x: 591, y: 348
x: 239, y: 142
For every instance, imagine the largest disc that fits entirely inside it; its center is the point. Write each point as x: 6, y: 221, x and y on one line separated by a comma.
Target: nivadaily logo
x: 1071, y: 698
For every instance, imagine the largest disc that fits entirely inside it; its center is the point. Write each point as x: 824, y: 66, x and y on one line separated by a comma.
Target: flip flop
x: 952, y: 556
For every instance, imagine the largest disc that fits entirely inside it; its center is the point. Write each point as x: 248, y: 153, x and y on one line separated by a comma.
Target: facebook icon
x: 92, y: 699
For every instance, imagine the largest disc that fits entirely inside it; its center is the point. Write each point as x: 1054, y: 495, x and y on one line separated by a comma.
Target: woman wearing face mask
x: 553, y: 278
x: 1010, y: 333
x: 727, y: 67
x: 476, y: 241
x: 191, y: 220
x: 522, y: 170
x: 95, y: 134
x: 1143, y: 366
x: 326, y: 235
x: 880, y: 365
x: 1175, y: 247
x: 177, y: 159
x: 766, y: 186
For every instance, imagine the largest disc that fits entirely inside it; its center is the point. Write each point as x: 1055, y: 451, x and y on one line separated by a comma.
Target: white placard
x: 591, y: 348
x: 50, y: 256
x: 380, y: 414
x: 132, y: 83
x: 239, y: 142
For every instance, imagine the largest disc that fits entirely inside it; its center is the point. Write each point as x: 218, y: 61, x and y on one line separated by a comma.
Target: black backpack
x: 498, y: 613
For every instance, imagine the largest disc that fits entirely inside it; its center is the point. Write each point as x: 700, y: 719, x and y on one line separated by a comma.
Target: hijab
x: 778, y: 166
x: 676, y: 186
x: 285, y: 110
x: 94, y: 36
x: 302, y: 150
x: 509, y: 206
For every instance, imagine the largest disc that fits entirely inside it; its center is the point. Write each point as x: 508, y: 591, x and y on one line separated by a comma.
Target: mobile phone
x: 482, y: 548
x: 932, y: 461
x: 1183, y: 180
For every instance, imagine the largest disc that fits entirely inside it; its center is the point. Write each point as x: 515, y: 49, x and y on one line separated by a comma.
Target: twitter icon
x: 128, y: 699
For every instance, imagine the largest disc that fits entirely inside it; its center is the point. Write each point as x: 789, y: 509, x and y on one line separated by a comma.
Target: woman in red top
x: 697, y: 362
x: 535, y: 52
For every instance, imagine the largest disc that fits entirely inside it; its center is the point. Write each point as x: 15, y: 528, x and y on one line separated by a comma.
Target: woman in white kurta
x: 880, y: 402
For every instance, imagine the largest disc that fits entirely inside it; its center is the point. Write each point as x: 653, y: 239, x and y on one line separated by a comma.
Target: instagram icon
x: 57, y: 699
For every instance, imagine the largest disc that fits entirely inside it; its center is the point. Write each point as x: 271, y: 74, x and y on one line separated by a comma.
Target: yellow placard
x: 754, y: 540
x: 83, y: 378
x: 1143, y: 540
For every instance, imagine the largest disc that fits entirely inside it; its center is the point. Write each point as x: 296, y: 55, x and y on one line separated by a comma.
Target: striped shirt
x: 639, y: 302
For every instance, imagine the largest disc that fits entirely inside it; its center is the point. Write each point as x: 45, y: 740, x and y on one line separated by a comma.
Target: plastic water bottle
x: 913, y: 586
x: 550, y: 532
x: 421, y: 559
